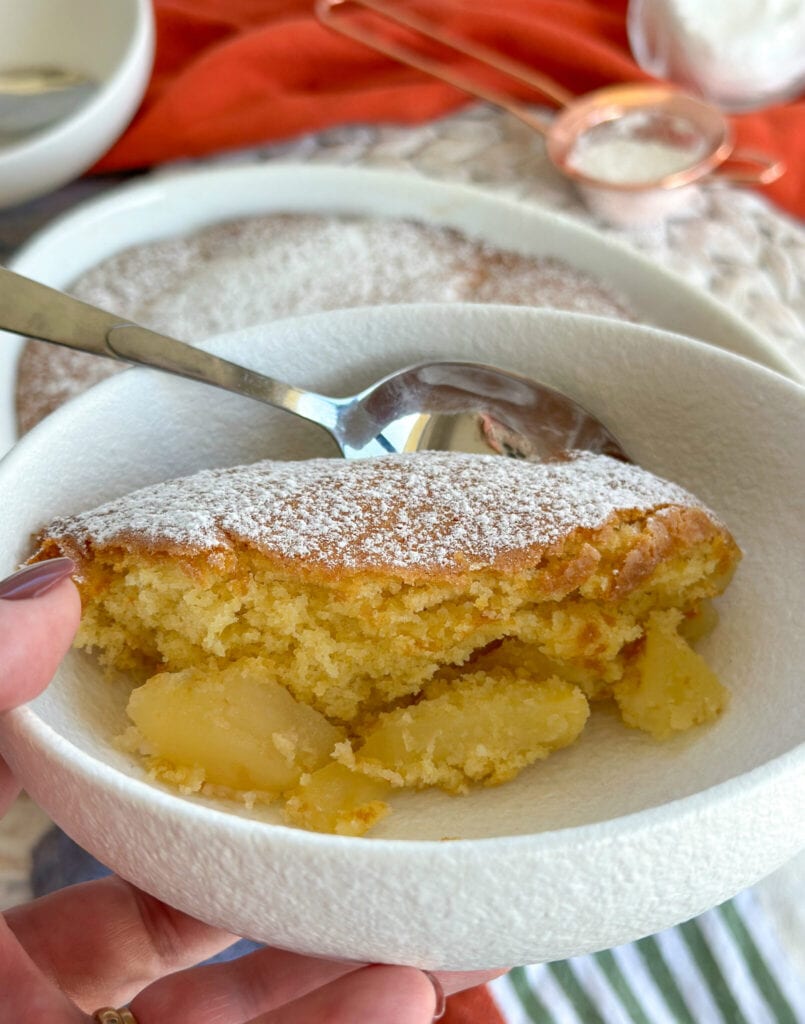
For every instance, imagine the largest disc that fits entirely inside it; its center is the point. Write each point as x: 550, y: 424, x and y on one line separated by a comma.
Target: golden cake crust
x: 416, y: 516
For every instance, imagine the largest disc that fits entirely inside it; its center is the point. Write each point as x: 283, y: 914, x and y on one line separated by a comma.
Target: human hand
x: 106, y: 943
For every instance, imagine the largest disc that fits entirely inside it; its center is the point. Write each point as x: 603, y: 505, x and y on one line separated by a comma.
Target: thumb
x: 39, y: 613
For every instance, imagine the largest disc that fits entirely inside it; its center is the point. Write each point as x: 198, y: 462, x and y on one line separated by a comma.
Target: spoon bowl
x: 448, y: 406
x: 469, y: 407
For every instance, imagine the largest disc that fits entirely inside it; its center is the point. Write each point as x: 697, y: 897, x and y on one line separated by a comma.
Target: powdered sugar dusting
x: 410, y: 512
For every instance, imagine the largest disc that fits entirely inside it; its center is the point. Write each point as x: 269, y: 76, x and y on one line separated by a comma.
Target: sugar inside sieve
x: 631, y: 150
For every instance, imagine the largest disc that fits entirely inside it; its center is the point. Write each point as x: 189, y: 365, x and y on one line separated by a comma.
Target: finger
x: 255, y: 984
x: 234, y: 992
x: 35, y: 634
x: 102, y: 942
x: 25, y: 995
x: 380, y: 994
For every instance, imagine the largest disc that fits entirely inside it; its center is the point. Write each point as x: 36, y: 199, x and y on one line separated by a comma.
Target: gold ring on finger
x: 108, y: 1015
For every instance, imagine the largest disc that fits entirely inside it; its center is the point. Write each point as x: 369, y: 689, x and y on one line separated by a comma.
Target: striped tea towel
x: 724, y: 967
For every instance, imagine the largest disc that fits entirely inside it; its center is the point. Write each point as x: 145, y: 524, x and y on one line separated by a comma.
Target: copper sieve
x: 611, y: 108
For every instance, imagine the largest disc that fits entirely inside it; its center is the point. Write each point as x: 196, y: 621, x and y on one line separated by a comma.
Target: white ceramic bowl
x: 609, y: 840
x: 111, y: 42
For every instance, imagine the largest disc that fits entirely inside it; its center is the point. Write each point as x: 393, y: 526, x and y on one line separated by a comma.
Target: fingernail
x: 35, y: 580
x: 441, y: 999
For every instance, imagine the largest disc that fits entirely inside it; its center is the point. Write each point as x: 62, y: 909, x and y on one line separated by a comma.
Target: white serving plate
x: 164, y: 207
x: 614, y: 838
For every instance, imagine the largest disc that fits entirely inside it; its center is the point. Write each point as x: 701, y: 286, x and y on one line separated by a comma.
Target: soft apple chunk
x: 335, y: 799
x: 240, y: 727
x: 481, y: 727
x: 668, y: 687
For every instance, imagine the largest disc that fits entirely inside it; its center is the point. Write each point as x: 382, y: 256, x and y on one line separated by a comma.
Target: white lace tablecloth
x: 730, y: 242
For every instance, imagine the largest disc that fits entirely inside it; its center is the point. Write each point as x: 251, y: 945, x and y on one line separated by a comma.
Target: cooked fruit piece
x: 477, y: 728
x: 242, y: 729
x: 335, y: 799
x: 668, y: 687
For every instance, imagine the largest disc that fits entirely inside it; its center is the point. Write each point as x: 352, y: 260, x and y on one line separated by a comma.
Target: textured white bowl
x: 609, y: 840
x: 112, y: 41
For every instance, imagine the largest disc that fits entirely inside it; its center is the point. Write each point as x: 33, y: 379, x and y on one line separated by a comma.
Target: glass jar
x: 738, y: 54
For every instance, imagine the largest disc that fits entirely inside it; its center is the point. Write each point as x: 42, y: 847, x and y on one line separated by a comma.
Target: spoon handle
x: 32, y: 309
x: 37, y: 311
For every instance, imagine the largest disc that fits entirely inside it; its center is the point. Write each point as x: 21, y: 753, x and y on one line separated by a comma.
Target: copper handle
x: 759, y: 168
x: 326, y: 13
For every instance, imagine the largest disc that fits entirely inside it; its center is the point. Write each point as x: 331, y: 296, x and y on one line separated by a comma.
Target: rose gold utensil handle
x: 326, y: 13
x: 767, y: 169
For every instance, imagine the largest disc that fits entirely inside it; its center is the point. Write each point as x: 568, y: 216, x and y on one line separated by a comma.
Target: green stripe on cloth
x: 711, y: 972
x: 621, y: 987
x: 721, y: 967
x: 761, y: 974
x: 651, y: 953
x: 537, y: 1012
x: 575, y: 993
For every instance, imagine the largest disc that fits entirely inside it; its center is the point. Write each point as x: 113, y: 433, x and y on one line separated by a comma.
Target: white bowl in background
x: 611, y: 839
x: 112, y: 42
x: 176, y: 204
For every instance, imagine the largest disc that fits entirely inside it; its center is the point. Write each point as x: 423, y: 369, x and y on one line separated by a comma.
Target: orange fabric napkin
x: 472, y: 1006
x: 234, y: 73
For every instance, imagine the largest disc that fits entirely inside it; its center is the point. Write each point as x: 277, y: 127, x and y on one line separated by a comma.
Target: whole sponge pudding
x: 326, y: 631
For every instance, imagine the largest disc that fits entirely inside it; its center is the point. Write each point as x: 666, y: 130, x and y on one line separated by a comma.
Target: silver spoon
x: 32, y: 98
x: 450, y: 406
